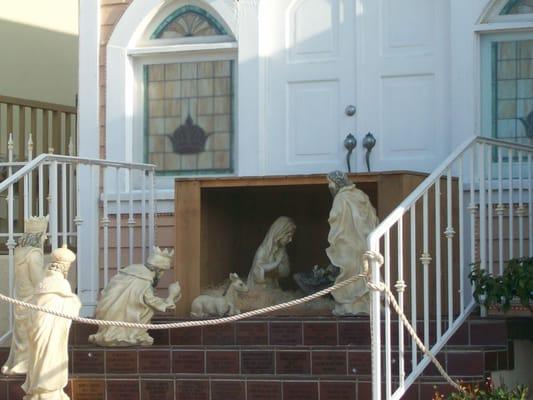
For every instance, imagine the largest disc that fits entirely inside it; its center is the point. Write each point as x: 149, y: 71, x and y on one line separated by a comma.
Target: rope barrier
x: 368, y: 256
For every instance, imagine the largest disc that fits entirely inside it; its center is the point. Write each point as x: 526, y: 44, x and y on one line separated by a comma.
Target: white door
x: 388, y: 58
x: 309, y: 53
x: 403, y: 82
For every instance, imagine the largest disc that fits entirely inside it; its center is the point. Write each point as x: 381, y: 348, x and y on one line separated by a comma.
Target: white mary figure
x: 129, y: 296
x: 351, y: 219
x: 271, y: 260
x: 47, y: 373
x: 29, y: 271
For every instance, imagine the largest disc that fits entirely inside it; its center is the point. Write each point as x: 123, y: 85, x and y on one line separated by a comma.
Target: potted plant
x: 486, y: 392
x: 510, y: 292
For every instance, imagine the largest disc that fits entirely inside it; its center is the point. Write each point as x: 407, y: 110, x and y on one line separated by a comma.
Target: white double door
x: 324, y: 58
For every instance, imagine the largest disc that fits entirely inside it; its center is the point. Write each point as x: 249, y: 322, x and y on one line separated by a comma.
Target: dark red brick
x: 328, y: 363
x: 3, y: 389
x: 431, y: 370
x: 15, y: 391
x: 364, y: 390
x: 192, y: 390
x: 154, y: 361
x: 320, y: 334
x: 222, y: 362
x: 219, y: 334
x: 188, y: 362
x: 359, y: 363
x: 286, y: 333
x: 253, y: 333
x: 488, y: 333
x: 491, y: 361
x: 88, y: 362
x: 82, y: 333
x: 465, y: 364
x: 157, y: 390
x: 121, y: 362
x: 461, y: 336
x: 122, y: 390
x: 263, y: 390
x: 354, y: 333
x: 337, y: 391
x: 293, y: 362
x: 300, y: 390
x: 257, y: 362
x: 227, y: 390
x: 186, y: 336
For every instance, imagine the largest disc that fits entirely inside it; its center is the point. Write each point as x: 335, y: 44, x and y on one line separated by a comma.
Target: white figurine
x: 211, y: 306
x: 351, y: 219
x: 47, y: 373
x: 271, y: 260
x: 129, y: 296
x: 29, y: 271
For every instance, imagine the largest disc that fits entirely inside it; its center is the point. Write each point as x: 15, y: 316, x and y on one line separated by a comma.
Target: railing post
x: 375, y: 321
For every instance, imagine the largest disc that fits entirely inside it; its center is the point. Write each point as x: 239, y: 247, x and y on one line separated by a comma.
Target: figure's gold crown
x: 160, y: 259
x: 36, y: 224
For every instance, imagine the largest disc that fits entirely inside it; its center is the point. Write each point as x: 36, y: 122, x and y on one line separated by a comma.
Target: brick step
x: 222, y: 388
x: 306, y: 331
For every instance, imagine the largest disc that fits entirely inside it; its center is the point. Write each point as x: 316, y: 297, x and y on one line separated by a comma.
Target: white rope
x: 368, y: 256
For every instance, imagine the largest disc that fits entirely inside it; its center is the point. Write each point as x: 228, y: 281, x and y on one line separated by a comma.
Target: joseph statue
x: 351, y: 219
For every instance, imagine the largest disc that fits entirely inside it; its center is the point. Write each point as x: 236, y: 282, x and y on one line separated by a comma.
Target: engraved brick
x: 354, y: 333
x: 320, y: 334
x: 121, y: 362
x: 300, y: 391
x: 219, y: 334
x: 157, y: 390
x: 286, y: 333
x: 257, y: 362
x: 88, y: 362
x: 263, y: 390
x: 254, y: 333
x: 186, y: 336
x: 328, y: 363
x: 122, y: 390
x: 188, y: 362
x: 88, y: 389
x: 337, y: 391
x: 293, y: 362
x: 192, y: 390
x: 154, y: 361
x: 222, y: 362
x: 359, y: 363
x: 226, y: 390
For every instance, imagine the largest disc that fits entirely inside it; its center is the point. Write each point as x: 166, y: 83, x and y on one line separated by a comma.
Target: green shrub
x: 487, y: 392
x: 516, y: 281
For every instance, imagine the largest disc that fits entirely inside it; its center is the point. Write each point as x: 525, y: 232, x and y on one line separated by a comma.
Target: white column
x: 88, y: 146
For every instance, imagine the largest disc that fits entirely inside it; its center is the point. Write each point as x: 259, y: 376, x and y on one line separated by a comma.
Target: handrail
x: 37, y: 104
x: 398, y: 212
x: 44, y: 158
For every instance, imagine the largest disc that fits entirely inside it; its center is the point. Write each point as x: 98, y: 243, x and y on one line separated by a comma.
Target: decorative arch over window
x: 189, y: 21
x: 514, y: 7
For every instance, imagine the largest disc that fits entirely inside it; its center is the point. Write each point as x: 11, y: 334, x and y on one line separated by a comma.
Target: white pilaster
x: 89, y: 146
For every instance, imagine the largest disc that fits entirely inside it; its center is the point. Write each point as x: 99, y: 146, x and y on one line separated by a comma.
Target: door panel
x: 310, y: 79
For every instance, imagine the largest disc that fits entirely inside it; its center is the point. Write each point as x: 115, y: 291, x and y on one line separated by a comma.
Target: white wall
x: 39, y: 48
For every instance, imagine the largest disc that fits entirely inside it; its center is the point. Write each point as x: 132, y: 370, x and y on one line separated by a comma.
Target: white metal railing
x: 56, y: 185
x: 429, y: 244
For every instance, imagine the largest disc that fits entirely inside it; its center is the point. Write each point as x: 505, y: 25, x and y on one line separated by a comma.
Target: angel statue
x: 271, y: 260
x: 129, y: 296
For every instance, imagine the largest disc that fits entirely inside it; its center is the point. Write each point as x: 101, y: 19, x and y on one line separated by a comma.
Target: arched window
x: 185, y: 67
x: 507, y: 73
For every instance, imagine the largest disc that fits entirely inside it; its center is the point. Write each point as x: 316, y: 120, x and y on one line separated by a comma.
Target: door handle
x: 350, y: 110
x: 350, y: 142
x: 369, y: 141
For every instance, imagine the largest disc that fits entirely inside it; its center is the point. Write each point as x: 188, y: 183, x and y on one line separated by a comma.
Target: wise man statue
x: 29, y: 270
x: 129, y: 296
x: 351, y: 219
x: 47, y: 373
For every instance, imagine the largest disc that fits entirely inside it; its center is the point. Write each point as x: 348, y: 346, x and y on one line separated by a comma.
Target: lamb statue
x: 219, y: 306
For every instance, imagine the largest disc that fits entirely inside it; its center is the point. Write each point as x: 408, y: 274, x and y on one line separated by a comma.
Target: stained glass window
x: 512, y: 86
x: 188, y: 21
x: 189, y: 116
x: 518, y: 7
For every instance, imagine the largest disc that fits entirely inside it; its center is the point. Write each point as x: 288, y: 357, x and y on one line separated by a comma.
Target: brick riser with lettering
x: 285, y: 358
